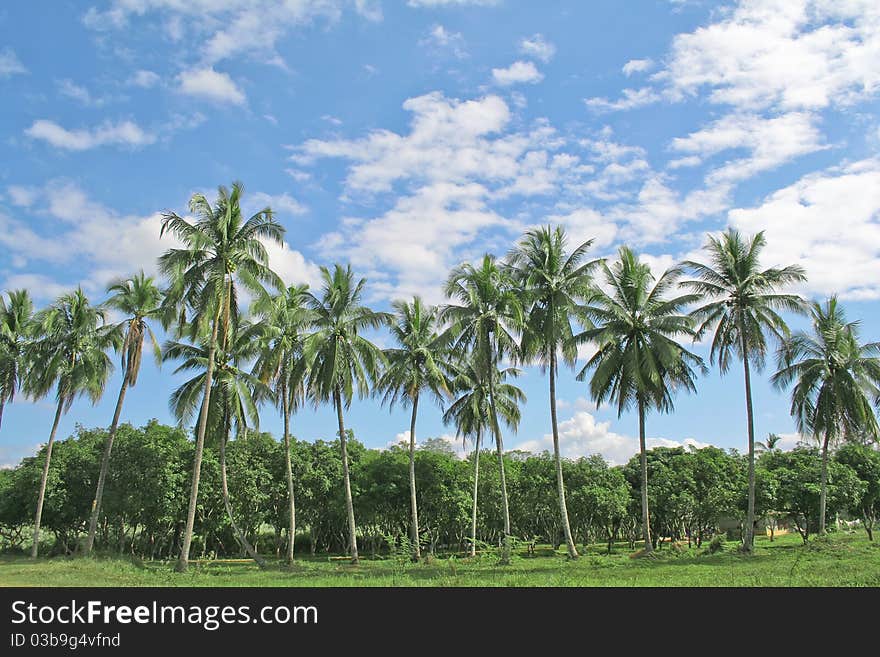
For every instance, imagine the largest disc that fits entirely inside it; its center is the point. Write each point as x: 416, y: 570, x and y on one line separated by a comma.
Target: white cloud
x: 10, y: 64
x: 211, y: 85
x: 124, y: 133
x: 771, y: 142
x: 632, y: 98
x: 441, y: 40
x: 69, y: 89
x: 582, y: 435
x: 517, y: 73
x: 637, y: 66
x: 454, y: 442
x: 292, y: 266
x: 538, y: 47
x: 144, y: 79
x: 281, y: 204
x: 452, y: 3
x: 22, y: 196
x: 41, y: 288
x: 586, y: 224
x: 828, y: 222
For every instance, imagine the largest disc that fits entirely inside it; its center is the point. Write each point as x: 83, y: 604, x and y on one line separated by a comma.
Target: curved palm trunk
x: 291, y: 533
x: 643, y: 461
x: 1, y: 414
x: 823, y: 485
x: 560, y: 483
x: 239, y: 535
x: 499, y: 449
x: 748, y: 534
x: 412, y: 481
x: 349, y: 504
x: 183, y: 559
x: 42, y: 495
x: 473, y: 552
x: 105, y: 465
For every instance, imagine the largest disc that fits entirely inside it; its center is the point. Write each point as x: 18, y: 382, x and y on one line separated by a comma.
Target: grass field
x: 839, y: 560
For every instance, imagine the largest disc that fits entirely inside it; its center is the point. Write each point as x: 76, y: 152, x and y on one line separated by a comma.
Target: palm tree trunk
x: 105, y: 465
x: 42, y: 496
x: 412, y: 480
x: 1, y: 414
x: 823, y: 487
x: 560, y: 484
x: 749, y: 538
x: 291, y: 533
x: 476, y: 488
x: 349, y: 504
x: 499, y: 449
x: 239, y: 535
x: 643, y: 461
x: 183, y: 560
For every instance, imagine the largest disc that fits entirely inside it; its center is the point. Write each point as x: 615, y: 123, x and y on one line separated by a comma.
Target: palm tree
x: 638, y: 361
x: 342, y: 361
x: 221, y: 250
x: 233, y: 399
x: 768, y: 446
x: 16, y: 331
x: 835, y: 377
x: 70, y: 355
x: 470, y: 410
x: 554, y: 286
x: 138, y: 299
x: 419, y: 364
x: 285, y: 320
x: 741, y: 303
x: 482, y: 323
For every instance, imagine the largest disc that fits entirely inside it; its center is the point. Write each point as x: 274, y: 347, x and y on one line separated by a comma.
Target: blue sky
x: 405, y: 137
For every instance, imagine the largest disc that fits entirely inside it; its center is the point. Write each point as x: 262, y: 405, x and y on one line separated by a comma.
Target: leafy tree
x: 740, y: 304
x: 69, y: 354
x: 418, y: 364
x: 138, y: 299
x: 341, y: 360
x: 638, y: 361
x: 865, y: 462
x: 221, y: 250
x: 483, y: 321
x: 835, y: 378
x: 600, y: 496
x: 554, y: 285
x: 16, y: 332
x: 285, y: 321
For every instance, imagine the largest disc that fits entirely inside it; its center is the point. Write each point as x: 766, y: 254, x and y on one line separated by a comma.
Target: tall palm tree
x: 232, y: 402
x: 419, y: 364
x: 16, y: 332
x: 836, y: 379
x: 470, y: 410
x: 139, y: 300
x: 285, y: 321
x: 341, y: 360
x: 740, y: 304
x: 639, y: 362
x: 555, y: 285
x: 70, y: 355
x: 769, y: 445
x: 483, y: 322
x: 221, y: 250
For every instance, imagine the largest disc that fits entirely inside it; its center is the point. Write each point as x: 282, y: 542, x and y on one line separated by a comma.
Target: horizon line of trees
x: 535, y: 306
x: 696, y: 495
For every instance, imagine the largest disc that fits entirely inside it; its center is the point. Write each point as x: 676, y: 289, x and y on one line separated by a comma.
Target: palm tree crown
x: 16, y: 333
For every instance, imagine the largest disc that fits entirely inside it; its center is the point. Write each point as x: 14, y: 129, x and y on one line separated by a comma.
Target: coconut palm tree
x: 16, y: 332
x: 639, y: 362
x: 232, y: 401
x: 69, y: 354
x: 836, y: 378
x: 341, y: 360
x: 285, y: 321
x: 139, y: 300
x: 221, y: 251
x: 555, y: 285
x: 483, y: 323
x: 470, y: 410
x: 418, y: 364
x: 769, y: 445
x: 740, y: 303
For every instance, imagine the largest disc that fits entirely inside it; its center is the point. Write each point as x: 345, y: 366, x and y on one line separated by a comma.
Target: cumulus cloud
x: 122, y: 133
x: 208, y: 84
x: 517, y: 73
x: 144, y: 79
x: 538, y: 47
x: 637, y: 66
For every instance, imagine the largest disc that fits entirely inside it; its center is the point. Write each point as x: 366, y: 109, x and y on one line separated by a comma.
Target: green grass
x: 839, y: 560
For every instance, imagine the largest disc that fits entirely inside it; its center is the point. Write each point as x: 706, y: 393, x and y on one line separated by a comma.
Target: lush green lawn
x: 840, y: 560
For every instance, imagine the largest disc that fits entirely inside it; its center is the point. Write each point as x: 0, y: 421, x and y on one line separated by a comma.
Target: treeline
x: 694, y: 494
